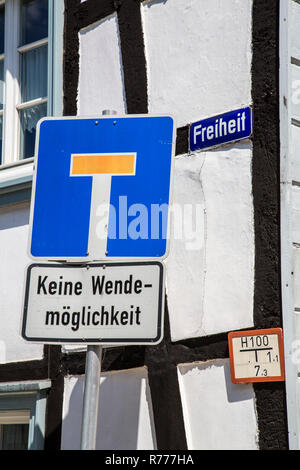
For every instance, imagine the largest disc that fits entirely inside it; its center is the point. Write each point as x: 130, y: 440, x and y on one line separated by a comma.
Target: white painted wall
x: 198, y: 56
x: 210, y: 270
x: 294, y: 103
x: 290, y: 205
x: 295, y: 90
x: 100, y: 83
x: 294, y: 22
x: 125, y: 412
x: 218, y: 414
x: 295, y: 151
x: 294, y: 159
x: 296, y: 301
x: 14, y: 260
x: 295, y: 206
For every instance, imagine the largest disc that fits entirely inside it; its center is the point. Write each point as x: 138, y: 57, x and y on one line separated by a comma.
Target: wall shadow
x: 119, y: 412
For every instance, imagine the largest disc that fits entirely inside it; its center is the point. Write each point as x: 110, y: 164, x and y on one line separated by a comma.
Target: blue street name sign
x: 221, y: 129
x: 101, y: 188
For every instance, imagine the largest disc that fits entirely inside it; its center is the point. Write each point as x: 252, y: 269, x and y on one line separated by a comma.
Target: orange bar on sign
x: 103, y: 163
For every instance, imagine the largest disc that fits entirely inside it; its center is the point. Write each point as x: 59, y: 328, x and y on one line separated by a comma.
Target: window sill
x: 28, y: 387
x: 16, y: 182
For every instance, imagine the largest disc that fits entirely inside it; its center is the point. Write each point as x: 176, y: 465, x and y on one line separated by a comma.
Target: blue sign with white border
x: 83, y: 212
x: 221, y: 129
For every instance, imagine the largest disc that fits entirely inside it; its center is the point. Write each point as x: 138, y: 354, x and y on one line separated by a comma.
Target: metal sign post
x: 91, y: 397
x: 91, y: 389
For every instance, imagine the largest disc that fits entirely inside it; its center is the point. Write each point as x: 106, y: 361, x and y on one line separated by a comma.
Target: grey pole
x: 91, y: 397
x: 91, y: 388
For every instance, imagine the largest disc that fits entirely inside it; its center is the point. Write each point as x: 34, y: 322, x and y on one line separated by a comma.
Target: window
x: 14, y: 429
x: 33, y: 60
x: 29, y: 40
x: 22, y: 415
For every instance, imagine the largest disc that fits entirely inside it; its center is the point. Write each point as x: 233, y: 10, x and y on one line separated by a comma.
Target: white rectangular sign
x: 256, y: 355
x: 105, y: 303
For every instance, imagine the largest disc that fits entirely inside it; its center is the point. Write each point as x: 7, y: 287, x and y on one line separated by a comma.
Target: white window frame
x: 12, y: 89
x: 16, y: 174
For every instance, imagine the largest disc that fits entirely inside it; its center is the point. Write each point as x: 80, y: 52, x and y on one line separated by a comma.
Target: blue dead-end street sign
x: 101, y: 188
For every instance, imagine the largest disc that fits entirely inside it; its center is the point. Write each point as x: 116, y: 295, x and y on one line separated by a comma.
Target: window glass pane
x: 34, y: 74
x: 29, y: 119
x: 2, y: 30
x: 14, y: 436
x: 34, y: 20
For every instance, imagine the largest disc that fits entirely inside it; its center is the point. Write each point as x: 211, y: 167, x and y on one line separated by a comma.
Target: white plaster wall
x: 295, y: 90
x: 295, y: 172
x: 294, y: 29
x: 14, y: 260
x: 100, y: 83
x: 125, y: 412
x: 218, y: 414
x: 185, y: 276
x: 294, y: 144
x: 295, y: 152
x: 295, y: 176
x: 210, y: 269
x: 198, y: 56
x: 295, y: 346
x: 296, y: 271
x: 295, y: 214
x: 298, y: 404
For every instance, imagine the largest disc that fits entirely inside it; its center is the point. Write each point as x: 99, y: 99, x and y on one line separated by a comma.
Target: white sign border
x: 112, y: 341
